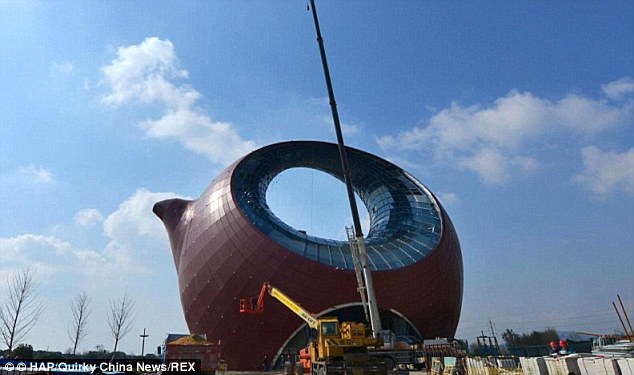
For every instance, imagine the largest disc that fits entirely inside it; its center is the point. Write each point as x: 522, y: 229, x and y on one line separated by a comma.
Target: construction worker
x: 254, y: 303
x: 265, y: 364
x: 288, y: 366
x: 563, y: 347
x: 554, y: 349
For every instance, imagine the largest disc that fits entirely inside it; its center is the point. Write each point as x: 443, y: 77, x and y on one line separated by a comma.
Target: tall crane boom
x: 375, y: 320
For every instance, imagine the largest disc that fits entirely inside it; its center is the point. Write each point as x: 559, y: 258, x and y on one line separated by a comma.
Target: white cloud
x: 590, y: 116
x: 64, y: 67
x: 347, y: 129
x: 604, y: 172
x: 619, y: 89
x: 136, y: 257
x: 489, y: 164
x: 493, y: 167
x: 132, y: 231
x: 144, y: 73
x: 488, y: 140
x: 511, y: 119
x: 36, y: 175
x: 350, y: 129
x: 15, y: 248
x: 46, y: 255
x: 322, y: 106
x: 140, y: 72
x: 134, y: 217
x: 218, y: 140
x: 88, y: 217
x: 447, y: 198
x: 28, y: 177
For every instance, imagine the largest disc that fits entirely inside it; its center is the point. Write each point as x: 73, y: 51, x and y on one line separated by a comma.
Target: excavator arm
x: 255, y: 305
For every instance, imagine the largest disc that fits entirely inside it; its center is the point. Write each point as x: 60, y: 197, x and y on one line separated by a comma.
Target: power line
x: 527, y: 326
x: 546, y: 320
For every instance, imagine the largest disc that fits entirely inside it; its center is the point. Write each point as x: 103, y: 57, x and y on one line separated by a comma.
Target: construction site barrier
x: 533, y: 366
x: 563, y: 365
x: 492, y: 366
x: 626, y: 365
x: 599, y: 366
x: 578, y: 364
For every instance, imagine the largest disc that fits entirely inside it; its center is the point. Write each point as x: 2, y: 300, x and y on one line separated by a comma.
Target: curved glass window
x: 405, y: 220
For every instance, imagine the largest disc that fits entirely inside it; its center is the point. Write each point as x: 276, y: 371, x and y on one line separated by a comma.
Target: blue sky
x: 519, y: 116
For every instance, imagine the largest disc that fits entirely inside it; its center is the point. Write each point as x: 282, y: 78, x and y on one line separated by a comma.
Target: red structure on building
x: 227, y: 242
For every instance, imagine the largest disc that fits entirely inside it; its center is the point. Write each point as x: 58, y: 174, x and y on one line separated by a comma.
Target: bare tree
x: 120, y: 319
x: 19, y: 313
x: 80, y: 311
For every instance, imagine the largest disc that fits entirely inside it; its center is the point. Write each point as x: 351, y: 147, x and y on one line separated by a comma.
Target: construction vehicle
x: 365, y: 285
x: 408, y: 355
x: 336, y: 348
x: 342, y: 347
x: 355, y: 235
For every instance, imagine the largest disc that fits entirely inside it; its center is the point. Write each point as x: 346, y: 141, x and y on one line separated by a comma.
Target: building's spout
x: 171, y: 212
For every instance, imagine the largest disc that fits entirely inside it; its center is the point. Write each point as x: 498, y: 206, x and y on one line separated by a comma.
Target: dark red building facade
x: 228, y: 242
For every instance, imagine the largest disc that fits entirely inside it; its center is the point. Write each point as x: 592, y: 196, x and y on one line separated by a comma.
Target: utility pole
x: 143, y: 336
x: 631, y: 334
x: 491, y: 325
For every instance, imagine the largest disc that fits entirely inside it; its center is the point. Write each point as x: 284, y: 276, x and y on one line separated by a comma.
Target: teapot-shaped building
x: 228, y: 242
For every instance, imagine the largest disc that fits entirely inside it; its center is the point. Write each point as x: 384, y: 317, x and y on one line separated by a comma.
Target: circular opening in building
x: 314, y: 202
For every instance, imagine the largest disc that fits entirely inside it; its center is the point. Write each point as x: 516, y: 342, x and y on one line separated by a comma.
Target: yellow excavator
x: 337, y: 348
